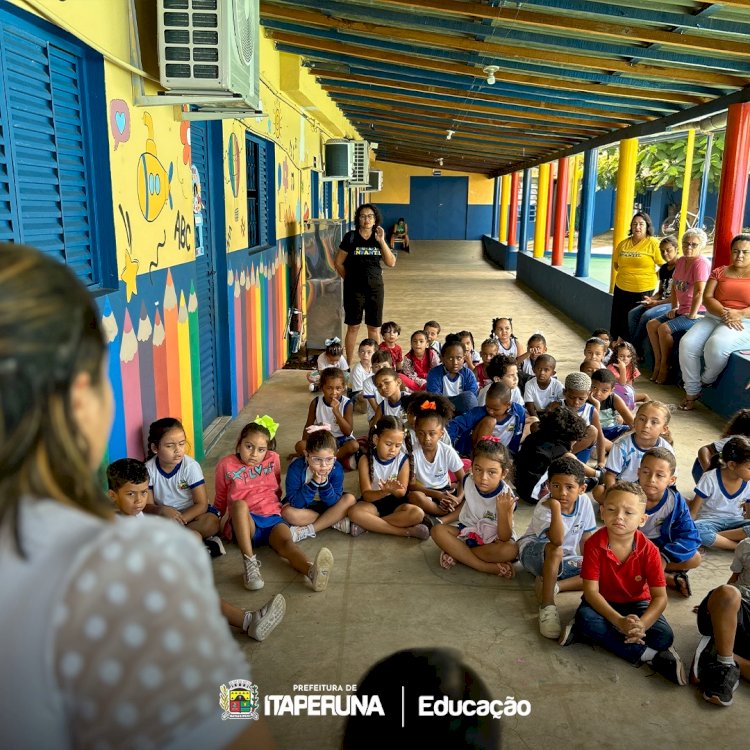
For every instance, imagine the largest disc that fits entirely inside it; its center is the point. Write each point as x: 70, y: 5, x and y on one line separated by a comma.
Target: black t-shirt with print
x: 363, y: 258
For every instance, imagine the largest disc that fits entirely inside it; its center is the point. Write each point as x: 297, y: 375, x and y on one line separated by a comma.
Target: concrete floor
x: 389, y: 593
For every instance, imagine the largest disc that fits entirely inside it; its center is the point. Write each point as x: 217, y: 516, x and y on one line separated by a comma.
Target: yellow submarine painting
x: 154, y: 183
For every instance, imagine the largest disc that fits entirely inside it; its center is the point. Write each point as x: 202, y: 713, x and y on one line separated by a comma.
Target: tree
x: 662, y: 164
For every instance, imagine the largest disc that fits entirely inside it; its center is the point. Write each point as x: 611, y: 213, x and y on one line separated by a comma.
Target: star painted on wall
x: 130, y: 275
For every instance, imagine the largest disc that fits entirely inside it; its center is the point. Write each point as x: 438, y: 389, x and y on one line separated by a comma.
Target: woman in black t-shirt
x: 358, y: 263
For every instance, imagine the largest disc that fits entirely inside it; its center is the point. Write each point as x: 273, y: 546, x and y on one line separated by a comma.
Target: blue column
x: 495, y: 206
x: 523, y: 229
x: 704, y: 180
x: 588, y: 202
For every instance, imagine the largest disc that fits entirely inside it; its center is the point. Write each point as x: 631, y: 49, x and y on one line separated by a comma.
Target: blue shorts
x: 264, y: 525
x: 612, y: 433
x: 344, y: 439
x: 532, y: 560
x: 680, y: 323
x: 708, y: 529
x: 213, y: 510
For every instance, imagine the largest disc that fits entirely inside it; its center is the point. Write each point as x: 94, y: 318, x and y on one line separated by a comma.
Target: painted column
x: 504, y: 202
x: 550, y: 208
x: 513, y: 212
x: 588, y: 202
x: 624, y: 196
x: 733, y: 186
x: 561, y: 209
x: 523, y: 231
x: 686, y: 181
x: 542, y: 196
x: 704, y: 179
x: 574, y: 177
x: 495, y: 206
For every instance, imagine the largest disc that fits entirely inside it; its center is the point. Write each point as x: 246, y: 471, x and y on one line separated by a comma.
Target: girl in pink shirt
x: 248, y: 495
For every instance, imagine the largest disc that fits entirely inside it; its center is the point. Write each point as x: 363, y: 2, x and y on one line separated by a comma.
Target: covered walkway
x: 388, y: 593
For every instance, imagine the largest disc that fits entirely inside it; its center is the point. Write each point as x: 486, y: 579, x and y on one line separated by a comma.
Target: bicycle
x: 671, y: 224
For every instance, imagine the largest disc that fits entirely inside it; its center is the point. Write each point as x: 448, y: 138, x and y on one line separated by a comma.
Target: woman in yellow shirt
x: 636, y: 261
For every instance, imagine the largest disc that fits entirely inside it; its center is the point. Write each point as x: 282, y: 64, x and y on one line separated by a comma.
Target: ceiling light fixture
x: 489, y: 71
x: 440, y: 161
x: 450, y: 135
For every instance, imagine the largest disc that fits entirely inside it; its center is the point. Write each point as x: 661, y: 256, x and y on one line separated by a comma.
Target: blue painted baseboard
x: 499, y: 254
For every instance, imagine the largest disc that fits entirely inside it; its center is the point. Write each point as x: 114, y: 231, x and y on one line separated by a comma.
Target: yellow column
x: 575, y: 175
x: 686, y: 182
x: 504, y: 204
x: 540, y: 225
x: 625, y: 195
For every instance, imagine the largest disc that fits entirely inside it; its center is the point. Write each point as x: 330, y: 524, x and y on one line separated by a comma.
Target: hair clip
x: 318, y: 428
x: 427, y: 405
x: 331, y: 342
x: 268, y: 423
x: 491, y: 439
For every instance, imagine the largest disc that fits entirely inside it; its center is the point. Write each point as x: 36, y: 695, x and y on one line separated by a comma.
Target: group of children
x: 453, y: 443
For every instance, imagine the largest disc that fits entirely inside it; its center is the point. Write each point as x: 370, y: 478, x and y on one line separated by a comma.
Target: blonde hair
x: 666, y: 413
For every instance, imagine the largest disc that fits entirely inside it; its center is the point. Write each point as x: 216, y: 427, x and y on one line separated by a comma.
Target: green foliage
x: 662, y: 164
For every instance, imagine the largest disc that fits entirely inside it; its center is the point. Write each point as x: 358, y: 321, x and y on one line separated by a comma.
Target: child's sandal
x: 682, y: 583
x: 446, y: 561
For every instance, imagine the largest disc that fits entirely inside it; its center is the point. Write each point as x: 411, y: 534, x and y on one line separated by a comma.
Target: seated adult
x: 688, y: 282
x: 400, y: 233
x: 725, y: 327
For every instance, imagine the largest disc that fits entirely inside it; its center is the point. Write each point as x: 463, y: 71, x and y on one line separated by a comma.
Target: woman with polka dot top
x: 124, y: 644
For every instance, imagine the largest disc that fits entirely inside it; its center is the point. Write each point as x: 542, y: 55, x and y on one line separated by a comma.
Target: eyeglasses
x: 322, y: 461
x: 367, y: 216
x: 691, y: 244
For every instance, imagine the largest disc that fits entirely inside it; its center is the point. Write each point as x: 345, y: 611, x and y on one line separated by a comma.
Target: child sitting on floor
x: 360, y: 372
x: 380, y: 359
x: 419, y: 360
x: 487, y: 351
x: 614, y: 416
x: 576, y: 398
x: 502, y: 368
x: 454, y: 379
x: 484, y: 537
x: 248, y: 495
x: 432, y: 329
x: 127, y: 482
x: 624, y: 592
x: 622, y: 366
x: 334, y: 409
x: 551, y: 547
x: 315, y: 497
x: 472, y: 356
x: 537, y: 344
x: 431, y: 488
x: 595, y: 349
x: 390, y: 332
x: 389, y: 395
x: 333, y: 356
x: 722, y: 498
x: 709, y: 455
x: 508, y: 343
x: 603, y: 334
x: 544, y: 390
x: 669, y: 525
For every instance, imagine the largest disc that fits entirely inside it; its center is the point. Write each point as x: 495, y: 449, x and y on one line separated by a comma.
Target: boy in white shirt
x: 544, y: 389
x: 127, y: 480
x: 360, y: 372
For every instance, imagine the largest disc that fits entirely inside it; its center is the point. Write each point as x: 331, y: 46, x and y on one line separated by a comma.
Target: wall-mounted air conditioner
x: 211, y: 47
x: 376, y: 180
x: 361, y: 165
x: 338, y: 159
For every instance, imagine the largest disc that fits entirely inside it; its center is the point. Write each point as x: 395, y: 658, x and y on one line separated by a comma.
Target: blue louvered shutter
x: 44, y: 150
x: 262, y: 196
x: 8, y: 217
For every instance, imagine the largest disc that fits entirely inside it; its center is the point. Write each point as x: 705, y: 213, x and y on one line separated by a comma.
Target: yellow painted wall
x: 396, y: 183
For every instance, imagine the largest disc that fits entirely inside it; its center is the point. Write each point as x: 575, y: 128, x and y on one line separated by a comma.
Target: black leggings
x: 622, y: 303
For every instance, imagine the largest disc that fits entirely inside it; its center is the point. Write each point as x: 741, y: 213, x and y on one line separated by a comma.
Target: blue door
x: 438, y: 208
x: 205, y: 282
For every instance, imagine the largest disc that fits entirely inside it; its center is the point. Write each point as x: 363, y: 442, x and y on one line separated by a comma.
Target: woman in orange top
x: 635, y: 260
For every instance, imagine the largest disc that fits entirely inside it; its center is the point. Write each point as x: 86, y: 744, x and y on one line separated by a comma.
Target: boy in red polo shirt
x: 624, y: 591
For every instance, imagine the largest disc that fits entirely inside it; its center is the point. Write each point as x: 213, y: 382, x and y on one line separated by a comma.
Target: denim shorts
x: 679, y: 324
x: 532, y: 560
x: 708, y: 528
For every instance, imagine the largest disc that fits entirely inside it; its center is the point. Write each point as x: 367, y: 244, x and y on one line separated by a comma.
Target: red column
x: 550, y: 204
x: 513, y: 212
x: 561, y: 210
x: 733, y: 186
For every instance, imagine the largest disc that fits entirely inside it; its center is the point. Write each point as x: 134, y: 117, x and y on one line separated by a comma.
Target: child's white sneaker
x: 301, y: 532
x: 253, y: 580
x: 320, y: 570
x: 344, y: 525
x: 264, y: 620
x: 549, y: 621
x: 538, y: 584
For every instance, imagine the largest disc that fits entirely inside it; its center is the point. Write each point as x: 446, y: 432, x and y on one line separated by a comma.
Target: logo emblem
x: 239, y: 699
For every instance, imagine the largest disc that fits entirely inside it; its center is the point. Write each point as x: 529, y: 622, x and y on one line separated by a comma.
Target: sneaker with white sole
x: 302, y: 532
x: 321, y: 569
x: 265, y: 619
x: 215, y: 546
x: 549, y: 621
x: 419, y: 531
x: 718, y: 681
x: 344, y: 525
x: 253, y: 580
x: 356, y: 530
x: 668, y: 664
x: 568, y: 635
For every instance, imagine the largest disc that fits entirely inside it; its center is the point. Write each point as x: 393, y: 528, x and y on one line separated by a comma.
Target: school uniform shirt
x: 741, y: 564
x: 509, y: 429
x: 718, y: 504
x: 630, y: 581
x: 542, y: 398
x: 434, y: 475
x: 175, y: 489
x: 670, y: 527
x: 608, y: 413
x: 259, y: 487
x: 480, y: 510
x: 515, y: 395
x: 385, y: 470
x: 358, y: 377
x: 436, y: 346
x: 626, y: 455
x: 302, y: 491
x: 576, y: 523
x: 324, y: 414
x: 370, y: 394
x: 438, y: 381
x: 511, y: 351
x: 527, y: 367
x: 323, y: 363
x: 388, y: 409
x: 586, y: 412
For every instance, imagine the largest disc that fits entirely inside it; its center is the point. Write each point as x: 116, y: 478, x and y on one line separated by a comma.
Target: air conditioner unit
x: 339, y: 159
x: 211, y: 47
x: 376, y: 180
x: 361, y: 165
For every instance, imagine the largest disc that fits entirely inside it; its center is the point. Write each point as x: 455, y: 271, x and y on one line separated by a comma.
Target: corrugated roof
x: 570, y: 74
